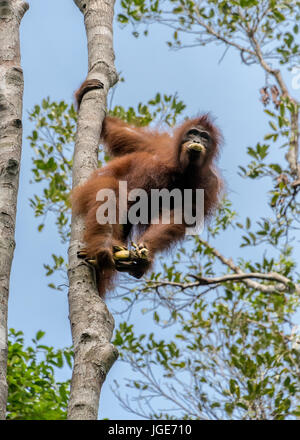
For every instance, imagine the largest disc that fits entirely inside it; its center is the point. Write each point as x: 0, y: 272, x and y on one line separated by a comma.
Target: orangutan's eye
x: 204, y: 135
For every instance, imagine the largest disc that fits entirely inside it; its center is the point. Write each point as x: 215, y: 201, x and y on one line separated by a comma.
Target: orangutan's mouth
x: 195, y: 146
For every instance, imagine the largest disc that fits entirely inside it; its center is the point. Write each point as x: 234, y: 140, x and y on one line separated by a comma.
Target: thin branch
x: 220, y: 37
x: 253, y: 284
x: 283, y: 283
x: 241, y: 277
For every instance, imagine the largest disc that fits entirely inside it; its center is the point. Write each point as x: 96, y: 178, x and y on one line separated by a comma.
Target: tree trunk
x: 91, y: 322
x: 11, y: 101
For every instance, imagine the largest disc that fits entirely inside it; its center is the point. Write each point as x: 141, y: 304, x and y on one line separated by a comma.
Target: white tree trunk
x: 91, y: 322
x: 11, y: 101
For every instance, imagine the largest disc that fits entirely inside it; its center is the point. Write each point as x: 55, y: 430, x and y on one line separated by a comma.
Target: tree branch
x: 272, y: 276
x: 250, y: 283
x: 283, y: 283
x: 211, y: 31
x: 242, y: 277
x: 293, y: 152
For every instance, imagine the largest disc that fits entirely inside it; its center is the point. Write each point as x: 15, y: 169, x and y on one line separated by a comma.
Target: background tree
x: 11, y: 98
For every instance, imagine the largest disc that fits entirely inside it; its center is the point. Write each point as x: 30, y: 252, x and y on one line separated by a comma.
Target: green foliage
x: 33, y: 392
x: 52, y: 141
x: 272, y: 23
x: 162, y: 109
x: 237, y: 360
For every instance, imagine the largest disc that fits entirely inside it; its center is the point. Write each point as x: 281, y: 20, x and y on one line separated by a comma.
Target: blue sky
x: 54, y: 60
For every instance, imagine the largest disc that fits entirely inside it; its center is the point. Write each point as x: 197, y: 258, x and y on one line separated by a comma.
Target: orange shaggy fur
x: 146, y: 159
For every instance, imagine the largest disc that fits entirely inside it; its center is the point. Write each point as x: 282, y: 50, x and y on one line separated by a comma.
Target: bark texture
x: 11, y: 100
x: 91, y: 322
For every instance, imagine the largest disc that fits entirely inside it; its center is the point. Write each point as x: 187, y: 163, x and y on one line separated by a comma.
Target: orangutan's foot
x: 103, y: 257
x: 83, y: 255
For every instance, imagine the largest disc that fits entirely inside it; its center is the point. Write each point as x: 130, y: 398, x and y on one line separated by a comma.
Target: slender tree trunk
x: 11, y: 101
x: 91, y: 322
